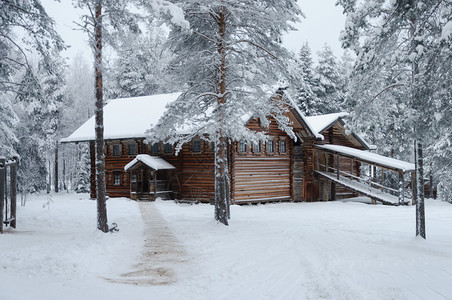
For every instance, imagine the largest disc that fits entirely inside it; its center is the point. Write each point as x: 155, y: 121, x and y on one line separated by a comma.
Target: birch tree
x: 229, y: 61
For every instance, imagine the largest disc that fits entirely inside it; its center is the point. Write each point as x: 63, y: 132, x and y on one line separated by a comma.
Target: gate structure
x: 8, y: 181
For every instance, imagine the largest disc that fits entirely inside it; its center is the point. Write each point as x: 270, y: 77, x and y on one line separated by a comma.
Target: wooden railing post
x: 337, y: 166
x: 401, y: 188
x: 2, y: 190
x: 413, y: 188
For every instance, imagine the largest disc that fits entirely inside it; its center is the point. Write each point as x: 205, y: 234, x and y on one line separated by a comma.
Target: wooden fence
x: 8, y: 181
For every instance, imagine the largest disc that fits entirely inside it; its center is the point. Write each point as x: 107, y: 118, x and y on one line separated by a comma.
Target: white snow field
x: 164, y: 250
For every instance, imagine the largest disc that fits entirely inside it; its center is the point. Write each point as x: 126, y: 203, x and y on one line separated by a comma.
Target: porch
x: 150, y: 178
x: 380, y: 178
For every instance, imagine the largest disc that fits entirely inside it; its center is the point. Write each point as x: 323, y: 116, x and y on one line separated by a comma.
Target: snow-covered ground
x: 164, y: 250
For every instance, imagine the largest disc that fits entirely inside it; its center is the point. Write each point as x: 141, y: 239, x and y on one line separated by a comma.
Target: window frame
x: 196, y: 146
x: 282, y: 144
x: 167, y: 148
x: 116, y: 150
x: 242, y: 146
x: 271, y: 149
x: 134, y: 147
x: 116, y: 176
x: 258, y: 146
x: 155, y: 149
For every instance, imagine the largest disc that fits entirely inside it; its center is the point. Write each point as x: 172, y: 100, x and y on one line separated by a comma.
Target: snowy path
x: 162, y: 253
x: 164, y: 250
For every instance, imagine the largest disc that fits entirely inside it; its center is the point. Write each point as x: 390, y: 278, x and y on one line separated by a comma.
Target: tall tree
x: 227, y: 59
x: 107, y: 19
x: 25, y: 28
x: 306, y: 85
x: 329, y: 83
x: 406, y: 40
x: 141, y: 65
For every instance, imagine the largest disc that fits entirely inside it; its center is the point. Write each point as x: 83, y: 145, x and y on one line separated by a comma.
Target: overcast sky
x: 322, y: 24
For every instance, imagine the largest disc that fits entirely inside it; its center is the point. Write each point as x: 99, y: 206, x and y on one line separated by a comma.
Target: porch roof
x: 368, y: 157
x: 153, y: 162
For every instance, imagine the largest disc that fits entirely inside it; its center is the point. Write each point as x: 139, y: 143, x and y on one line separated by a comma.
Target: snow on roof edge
x: 303, y: 117
x: 371, y: 157
x: 154, y: 162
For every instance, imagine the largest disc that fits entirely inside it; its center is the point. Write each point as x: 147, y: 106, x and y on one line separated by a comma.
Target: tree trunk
x: 55, y: 166
x: 420, y: 209
x: 221, y: 161
x: 100, y: 159
x: 49, y: 183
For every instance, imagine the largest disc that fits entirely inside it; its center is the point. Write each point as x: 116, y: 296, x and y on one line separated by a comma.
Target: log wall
x: 260, y: 176
x: 193, y: 177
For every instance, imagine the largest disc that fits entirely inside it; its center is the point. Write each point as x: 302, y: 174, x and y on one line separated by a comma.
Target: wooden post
x: 13, y: 191
x: 401, y: 188
x: 337, y: 166
x: 2, y: 190
x: 413, y: 188
x: 382, y: 179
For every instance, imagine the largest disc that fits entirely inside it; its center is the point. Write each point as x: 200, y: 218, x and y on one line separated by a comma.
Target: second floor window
x: 155, y: 148
x: 242, y: 147
x: 257, y: 147
x: 282, y: 146
x: 168, y: 148
x: 132, y: 149
x: 196, y: 146
x: 116, y: 150
x: 270, y: 146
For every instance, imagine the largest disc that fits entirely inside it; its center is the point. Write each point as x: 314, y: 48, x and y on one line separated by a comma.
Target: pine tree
x: 82, y: 181
x: 306, y: 84
x: 403, y: 55
x: 231, y: 53
x: 141, y: 65
x: 17, y: 78
x: 329, y: 82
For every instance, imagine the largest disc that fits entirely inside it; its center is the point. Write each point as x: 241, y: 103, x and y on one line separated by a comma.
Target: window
x: 116, y: 150
x: 117, y: 179
x: 155, y: 148
x: 168, y: 148
x: 242, y: 147
x: 282, y: 146
x: 257, y: 147
x: 133, y: 178
x: 270, y: 147
x: 132, y: 149
x: 196, y: 146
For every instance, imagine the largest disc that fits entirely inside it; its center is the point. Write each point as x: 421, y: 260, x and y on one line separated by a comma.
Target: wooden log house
x: 281, y: 169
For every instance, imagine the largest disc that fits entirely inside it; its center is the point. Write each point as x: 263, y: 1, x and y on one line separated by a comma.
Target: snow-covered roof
x: 303, y: 117
x: 322, y: 122
x: 126, y: 118
x: 370, y: 157
x: 153, y: 162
